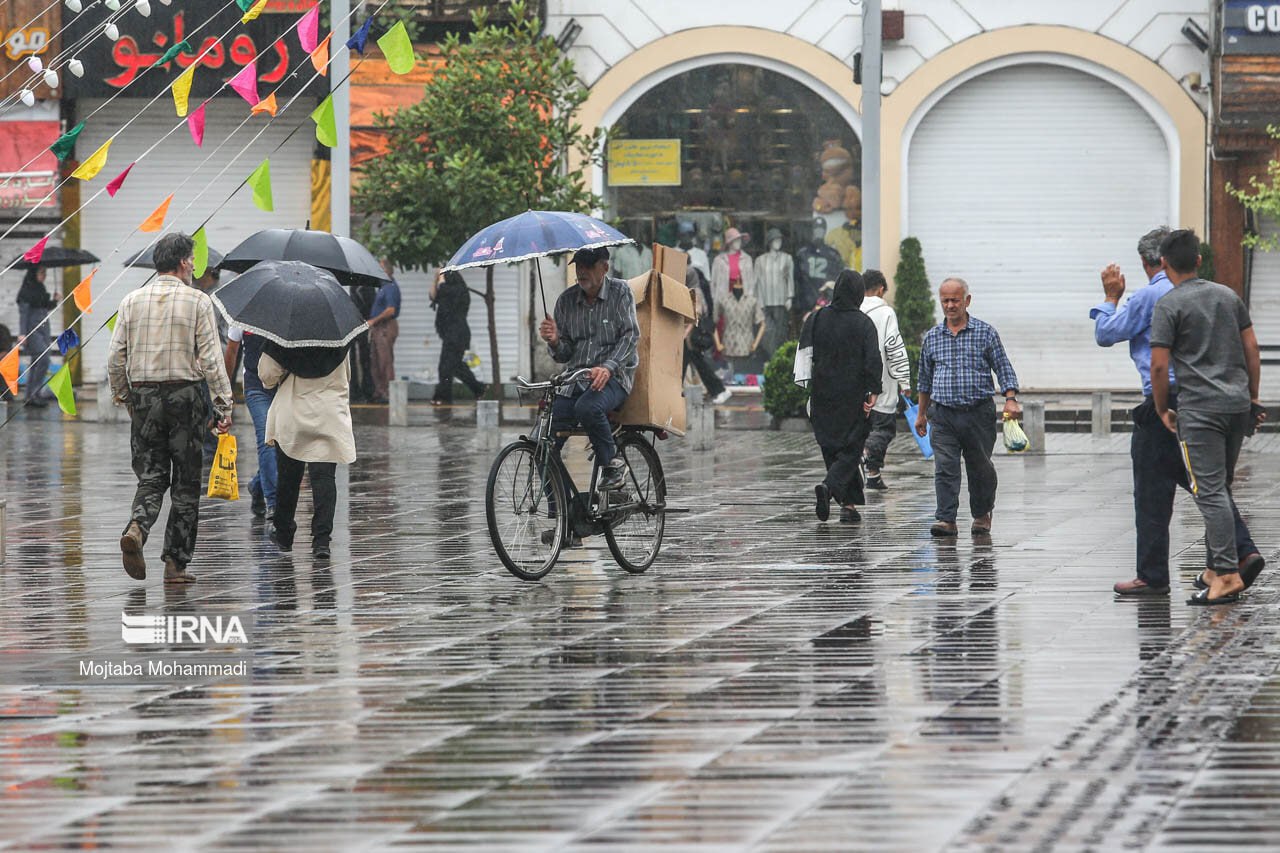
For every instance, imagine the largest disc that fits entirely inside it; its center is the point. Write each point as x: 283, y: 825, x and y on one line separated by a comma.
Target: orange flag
x: 83, y: 294
x: 266, y: 105
x: 9, y: 370
x: 156, y: 220
x: 320, y: 56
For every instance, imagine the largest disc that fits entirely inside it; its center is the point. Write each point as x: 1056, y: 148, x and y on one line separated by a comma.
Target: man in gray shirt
x: 1206, y: 330
x: 595, y: 326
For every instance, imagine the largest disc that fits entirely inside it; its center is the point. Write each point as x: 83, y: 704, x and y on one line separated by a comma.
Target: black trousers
x: 324, y: 496
x: 452, y: 365
x: 706, y: 372
x: 968, y: 434
x: 1158, y: 473
x: 844, y: 474
x: 165, y: 438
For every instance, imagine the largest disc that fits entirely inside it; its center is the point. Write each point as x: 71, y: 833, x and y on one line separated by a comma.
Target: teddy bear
x: 837, y: 173
x: 829, y: 198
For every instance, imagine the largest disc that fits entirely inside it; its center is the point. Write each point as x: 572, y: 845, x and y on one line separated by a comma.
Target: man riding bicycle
x: 595, y: 327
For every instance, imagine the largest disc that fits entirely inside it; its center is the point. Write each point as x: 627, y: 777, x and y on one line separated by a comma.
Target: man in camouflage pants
x: 164, y: 346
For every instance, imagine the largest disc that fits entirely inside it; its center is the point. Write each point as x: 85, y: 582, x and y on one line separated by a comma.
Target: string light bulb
x: 165, y: 2
x: 74, y: 5
x: 76, y: 67
x: 51, y: 78
x: 35, y: 64
x: 113, y: 5
x: 28, y: 97
x: 112, y: 31
x: 143, y: 8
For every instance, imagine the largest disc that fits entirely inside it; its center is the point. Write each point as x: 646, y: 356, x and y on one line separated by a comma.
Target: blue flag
x: 68, y: 341
x: 361, y: 37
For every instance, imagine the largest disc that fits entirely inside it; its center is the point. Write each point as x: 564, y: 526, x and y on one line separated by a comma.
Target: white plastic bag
x: 803, y: 370
x: 1015, y: 440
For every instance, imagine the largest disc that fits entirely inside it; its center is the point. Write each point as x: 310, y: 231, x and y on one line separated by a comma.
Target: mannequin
x: 633, y: 259
x: 816, y: 264
x: 847, y: 238
x: 732, y: 263
x: 744, y: 328
x: 687, y: 241
x: 775, y: 288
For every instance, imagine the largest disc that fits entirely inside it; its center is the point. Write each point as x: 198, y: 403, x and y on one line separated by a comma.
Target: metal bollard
x: 1101, y: 412
x: 108, y: 411
x: 1033, y: 425
x: 398, y: 403
x: 700, y: 419
x: 487, y: 414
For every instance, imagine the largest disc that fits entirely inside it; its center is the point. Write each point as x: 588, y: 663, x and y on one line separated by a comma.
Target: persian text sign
x: 112, y: 66
x: 26, y: 188
x: 644, y: 163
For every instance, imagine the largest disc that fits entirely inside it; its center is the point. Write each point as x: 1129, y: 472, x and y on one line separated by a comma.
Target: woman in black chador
x: 844, y: 383
x: 451, y: 301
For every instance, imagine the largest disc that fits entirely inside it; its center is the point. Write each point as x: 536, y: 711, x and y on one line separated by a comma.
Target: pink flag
x: 36, y: 252
x: 246, y: 82
x: 118, y: 181
x: 195, y: 122
x: 309, y: 29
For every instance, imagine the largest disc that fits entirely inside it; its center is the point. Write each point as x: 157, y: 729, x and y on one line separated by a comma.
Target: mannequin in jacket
x: 775, y: 288
x: 732, y: 263
x: 816, y: 264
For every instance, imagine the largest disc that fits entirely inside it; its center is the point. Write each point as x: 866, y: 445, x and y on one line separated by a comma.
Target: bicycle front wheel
x: 634, y: 533
x: 523, y: 500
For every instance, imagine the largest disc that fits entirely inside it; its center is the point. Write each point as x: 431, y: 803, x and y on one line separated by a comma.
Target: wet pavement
x: 771, y: 683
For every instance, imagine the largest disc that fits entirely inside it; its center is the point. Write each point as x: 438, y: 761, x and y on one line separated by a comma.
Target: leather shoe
x: 944, y: 528
x: 173, y: 573
x: 822, y: 504
x: 981, y: 524
x: 849, y: 515
x: 131, y: 552
x: 1138, y: 587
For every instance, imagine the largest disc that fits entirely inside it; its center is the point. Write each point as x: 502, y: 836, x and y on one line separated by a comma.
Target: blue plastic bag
x: 926, y: 447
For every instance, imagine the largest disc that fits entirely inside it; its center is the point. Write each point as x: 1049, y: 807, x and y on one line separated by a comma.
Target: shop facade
x: 1026, y: 145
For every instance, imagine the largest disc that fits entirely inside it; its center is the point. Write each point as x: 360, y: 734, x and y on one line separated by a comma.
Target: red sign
x: 132, y: 59
x: 290, y: 7
x: 26, y: 188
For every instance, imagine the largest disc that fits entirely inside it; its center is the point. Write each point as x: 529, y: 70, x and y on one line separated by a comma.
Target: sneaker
x: 614, y: 475
x: 131, y: 552
x: 876, y: 483
x: 280, y: 542
x: 722, y: 397
x: 849, y: 515
x: 320, y: 550
x: 822, y: 506
x: 258, y: 505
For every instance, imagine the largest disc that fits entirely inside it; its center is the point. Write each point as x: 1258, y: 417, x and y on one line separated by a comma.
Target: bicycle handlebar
x: 555, y: 381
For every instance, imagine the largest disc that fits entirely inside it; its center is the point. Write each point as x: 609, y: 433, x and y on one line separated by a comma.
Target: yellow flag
x: 254, y: 12
x: 182, y: 89
x: 90, y: 168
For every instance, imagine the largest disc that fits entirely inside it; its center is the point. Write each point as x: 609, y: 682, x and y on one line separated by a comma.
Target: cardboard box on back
x: 664, y: 308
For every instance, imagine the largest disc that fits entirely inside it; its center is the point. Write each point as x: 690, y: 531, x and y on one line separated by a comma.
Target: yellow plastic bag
x: 222, y: 476
x: 1014, y: 438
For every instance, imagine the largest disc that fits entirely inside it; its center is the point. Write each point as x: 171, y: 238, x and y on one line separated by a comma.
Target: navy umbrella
x: 534, y: 234
x: 291, y: 304
x: 350, y: 262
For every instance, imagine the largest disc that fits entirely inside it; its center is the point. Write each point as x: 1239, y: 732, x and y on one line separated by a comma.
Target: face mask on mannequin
x: 775, y: 246
x: 735, y: 246
x: 819, y: 234
x: 737, y: 289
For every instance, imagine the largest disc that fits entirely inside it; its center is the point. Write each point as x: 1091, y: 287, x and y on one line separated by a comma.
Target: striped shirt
x: 605, y: 334
x: 167, y: 332
x: 955, y: 370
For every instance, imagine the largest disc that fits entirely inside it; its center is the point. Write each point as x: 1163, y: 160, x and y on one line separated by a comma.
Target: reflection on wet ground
x: 771, y: 682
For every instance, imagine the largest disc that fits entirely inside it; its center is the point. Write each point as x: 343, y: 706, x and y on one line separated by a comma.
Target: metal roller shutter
x: 1026, y: 181
x: 106, y: 222
x: 1264, y: 309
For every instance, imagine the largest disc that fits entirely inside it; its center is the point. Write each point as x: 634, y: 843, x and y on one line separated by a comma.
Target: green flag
x: 326, y: 127
x: 60, y: 385
x: 245, y: 5
x: 398, y: 49
x: 111, y: 323
x: 201, y: 252
x: 260, y: 180
x: 180, y: 47
x: 64, y: 144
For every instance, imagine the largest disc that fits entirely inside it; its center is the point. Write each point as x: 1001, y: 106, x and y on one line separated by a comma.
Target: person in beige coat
x: 310, y: 425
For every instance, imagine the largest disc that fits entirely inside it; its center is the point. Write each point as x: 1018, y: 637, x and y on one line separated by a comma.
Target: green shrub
x: 783, y: 398
x: 913, y: 300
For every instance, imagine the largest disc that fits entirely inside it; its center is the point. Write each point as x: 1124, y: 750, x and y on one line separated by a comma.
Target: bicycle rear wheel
x: 522, y: 499
x: 634, y: 533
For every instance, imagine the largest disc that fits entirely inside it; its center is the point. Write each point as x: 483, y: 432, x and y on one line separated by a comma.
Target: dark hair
x: 31, y: 276
x: 1181, y: 251
x: 171, y: 251
x: 590, y: 257
x: 874, y: 280
x: 453, y: 278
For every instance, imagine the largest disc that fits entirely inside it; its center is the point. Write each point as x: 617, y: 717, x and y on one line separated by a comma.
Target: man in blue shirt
x: 956, y: 362
x: 384, y: 329
x: 1158, y: 468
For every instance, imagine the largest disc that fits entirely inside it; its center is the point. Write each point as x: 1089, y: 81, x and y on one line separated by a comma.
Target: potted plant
x: 784, y: 400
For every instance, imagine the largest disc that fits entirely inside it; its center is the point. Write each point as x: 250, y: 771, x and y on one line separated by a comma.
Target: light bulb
x: 165, y: 2
x: 51, y: 78
x: 74, y: 5
x: 144, y: 8
x: 35, y: 64
x: 112, y: 31
x: 76, y: 67
x: 28, y: 97
x: 113, y: 5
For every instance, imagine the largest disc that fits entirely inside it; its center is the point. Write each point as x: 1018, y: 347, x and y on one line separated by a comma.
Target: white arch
x: 1139, y: 95
x: 619, y: 107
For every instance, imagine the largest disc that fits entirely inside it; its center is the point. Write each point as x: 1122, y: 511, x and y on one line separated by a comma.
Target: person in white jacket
x: 896, y: 377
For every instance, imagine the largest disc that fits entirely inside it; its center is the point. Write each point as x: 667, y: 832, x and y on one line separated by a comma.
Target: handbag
x: 222, y: 476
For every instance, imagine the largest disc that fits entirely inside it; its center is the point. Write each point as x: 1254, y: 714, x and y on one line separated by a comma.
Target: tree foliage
x: 913, y: 300
x: 1262, y: 197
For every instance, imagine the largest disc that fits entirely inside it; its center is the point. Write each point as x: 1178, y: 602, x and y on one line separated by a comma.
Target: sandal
x: 1202, y: 599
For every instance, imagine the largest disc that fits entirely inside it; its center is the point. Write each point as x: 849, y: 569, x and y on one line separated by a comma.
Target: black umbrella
x: 145, y: 260
x: 58, y: 256
x: 350, y: 262
x: 293, y: 304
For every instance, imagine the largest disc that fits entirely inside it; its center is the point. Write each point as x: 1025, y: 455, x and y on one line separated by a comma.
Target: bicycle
x: 532, y: 503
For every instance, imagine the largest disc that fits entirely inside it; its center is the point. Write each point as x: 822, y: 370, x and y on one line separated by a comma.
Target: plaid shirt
x: 606, y: 334
x: 167, y: 332
x: 955, y: 370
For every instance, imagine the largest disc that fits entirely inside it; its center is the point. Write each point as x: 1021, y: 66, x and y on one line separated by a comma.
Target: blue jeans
x: 590, y: 409
x: 264, y: 482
